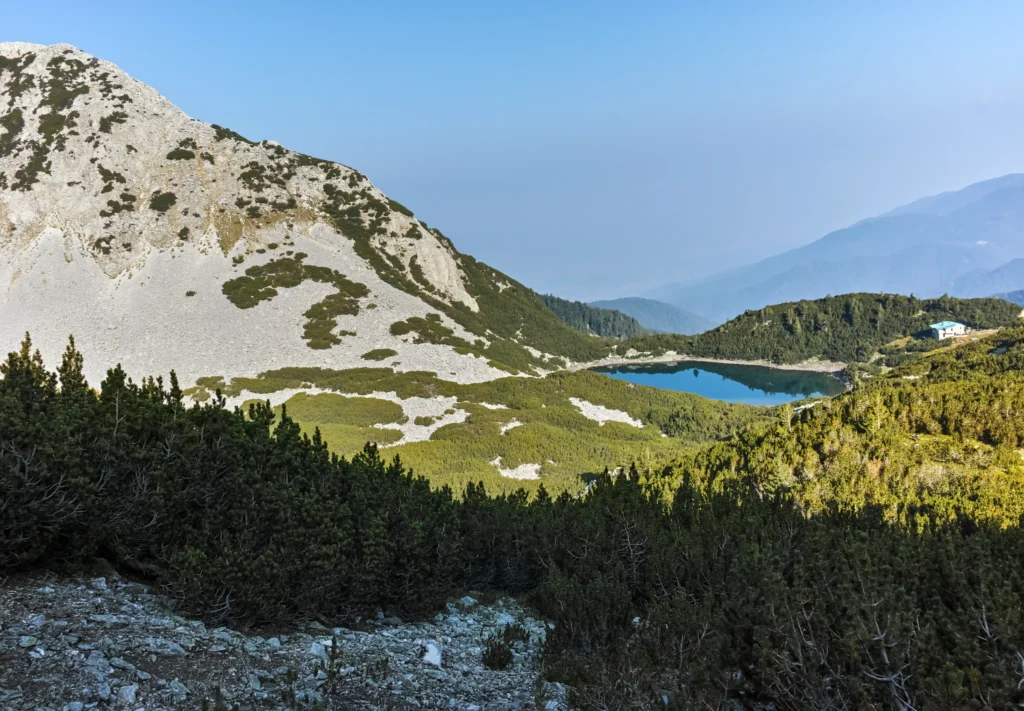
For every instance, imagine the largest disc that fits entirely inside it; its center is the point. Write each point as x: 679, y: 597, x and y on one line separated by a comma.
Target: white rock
x: 432, y: 653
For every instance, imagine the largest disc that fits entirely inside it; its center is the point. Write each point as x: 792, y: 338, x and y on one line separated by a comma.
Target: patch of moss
x: 13, y: 123
x: 180, y: 154
x: 399, y: 207
x: 418, y: 276
x: 161, y: 201
x: 28, y: 174
x: 220, y: 133
x: 332, y: 409
x: 261, y: 283
x: 127, y: 204
x: 107, y: 122
x: 17, y: 81
x: 378, y: 354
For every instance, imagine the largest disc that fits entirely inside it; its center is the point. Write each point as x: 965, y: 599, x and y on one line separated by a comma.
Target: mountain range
x: 164, y: 242
x: 1016, y: 297
x: 965, y: 243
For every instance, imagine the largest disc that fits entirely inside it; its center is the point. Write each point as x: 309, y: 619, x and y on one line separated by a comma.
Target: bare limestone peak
x: 162, y: 242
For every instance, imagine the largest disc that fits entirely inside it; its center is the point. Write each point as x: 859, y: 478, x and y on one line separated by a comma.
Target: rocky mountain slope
x: 947, y: 243
x: 106, y: 642
x: 162, y: 242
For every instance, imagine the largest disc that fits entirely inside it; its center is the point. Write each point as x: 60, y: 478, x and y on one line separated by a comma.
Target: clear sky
x: 596, y: 149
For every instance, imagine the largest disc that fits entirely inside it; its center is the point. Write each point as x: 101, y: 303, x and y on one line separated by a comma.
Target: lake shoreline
x: 826, y: 367
x: 830, y: 369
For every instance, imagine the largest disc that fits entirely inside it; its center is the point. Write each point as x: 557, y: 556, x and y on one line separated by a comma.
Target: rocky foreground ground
x: 107, y: 643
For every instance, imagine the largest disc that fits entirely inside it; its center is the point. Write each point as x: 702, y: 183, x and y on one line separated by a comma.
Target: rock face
x: 122, y: 219
x: 111, y: 644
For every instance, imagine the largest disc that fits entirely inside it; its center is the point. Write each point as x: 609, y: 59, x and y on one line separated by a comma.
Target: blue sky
x: 596, y: 149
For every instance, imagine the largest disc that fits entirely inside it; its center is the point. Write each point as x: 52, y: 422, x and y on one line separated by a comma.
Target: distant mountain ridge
x: 658, y: 315
x: 1003, y: 279
x: 954, y: 243
x: 1015, y: 297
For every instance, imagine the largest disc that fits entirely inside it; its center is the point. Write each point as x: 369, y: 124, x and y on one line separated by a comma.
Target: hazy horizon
x: 598, y: 151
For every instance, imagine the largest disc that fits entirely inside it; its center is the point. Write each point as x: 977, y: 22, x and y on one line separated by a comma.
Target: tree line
x: 592, y: 320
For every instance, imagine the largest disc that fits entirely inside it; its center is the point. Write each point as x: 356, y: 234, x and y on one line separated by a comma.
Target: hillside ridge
x: 122, y: 219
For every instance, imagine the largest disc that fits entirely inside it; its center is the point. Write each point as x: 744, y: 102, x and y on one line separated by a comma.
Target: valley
x: 270, y: 440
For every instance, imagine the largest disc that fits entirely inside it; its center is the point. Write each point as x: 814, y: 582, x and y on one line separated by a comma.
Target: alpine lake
x: 729, y: 382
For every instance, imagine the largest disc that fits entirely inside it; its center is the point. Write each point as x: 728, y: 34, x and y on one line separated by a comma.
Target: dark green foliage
x: 181, y: 154
x: 28, y: 175
x: 592, y: 320
x: 427, y: 329
x: 59, y: 91
x: 497, y: 654
x: 110, y: 177
x: 13, y: 123
x: 258, y: 177
x: 844, y: 328
x: 379, y: 354
x: 63, y: 86
x: 81, y: 471
x: 190, y: 293
x: 399, y: 207
x: 12, y: 70
x: 107, y: 122
x: 507, y: 309
x: 221, y: 133
x: 418, y: 276
x: 126, y: 204
x: 864, y: 553
x: 161, y: 201
x: 261, y: 283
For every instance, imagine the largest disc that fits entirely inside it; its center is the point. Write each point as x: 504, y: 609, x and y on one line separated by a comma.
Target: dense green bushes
x: 261, y: 282
x: 236, y: 517
x: 862, y: 553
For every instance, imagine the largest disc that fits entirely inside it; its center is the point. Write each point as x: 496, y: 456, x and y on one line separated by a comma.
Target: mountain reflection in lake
x: 750, y: 384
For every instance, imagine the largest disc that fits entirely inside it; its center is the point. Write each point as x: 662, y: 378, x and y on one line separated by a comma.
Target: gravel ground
x: 106, y: 643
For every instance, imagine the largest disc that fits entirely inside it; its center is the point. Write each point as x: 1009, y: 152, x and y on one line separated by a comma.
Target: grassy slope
x: 553, y: 432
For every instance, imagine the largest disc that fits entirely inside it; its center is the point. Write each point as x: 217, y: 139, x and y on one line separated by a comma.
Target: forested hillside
x: 861, y: 553
x: 846, y: 328
x: 658, y: 315
x: 593, y: 320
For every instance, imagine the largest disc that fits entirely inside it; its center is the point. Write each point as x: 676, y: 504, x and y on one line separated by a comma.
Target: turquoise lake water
x: 749, y: 384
